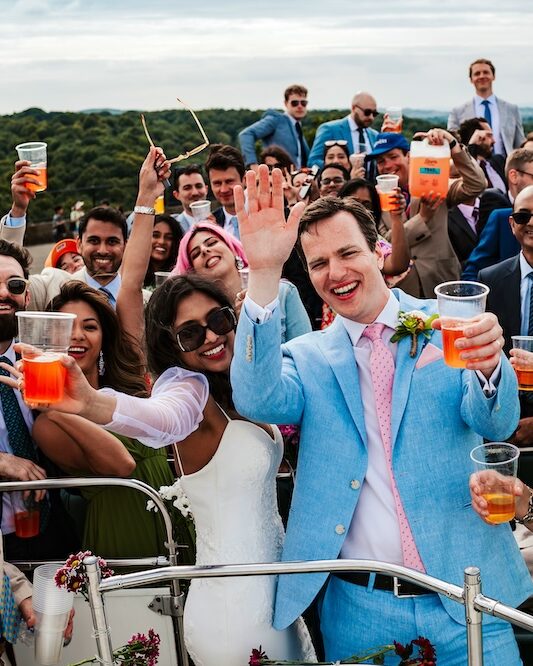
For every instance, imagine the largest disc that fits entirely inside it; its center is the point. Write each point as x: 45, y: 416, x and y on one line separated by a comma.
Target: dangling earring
x: 239, y: 263
x: 101, y: 364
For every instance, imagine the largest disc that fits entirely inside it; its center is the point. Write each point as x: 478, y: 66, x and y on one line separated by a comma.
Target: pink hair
x: 184, y: 265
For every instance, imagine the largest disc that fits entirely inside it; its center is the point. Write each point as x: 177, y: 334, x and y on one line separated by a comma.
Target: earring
x: 239, y: 263
x: 101, y: 364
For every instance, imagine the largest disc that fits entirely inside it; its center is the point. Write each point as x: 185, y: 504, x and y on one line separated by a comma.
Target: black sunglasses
x: 295, y: 102
x: 16, y: 286
x: 521, y: 216
x: 368, y: 112
x: 219, y: 321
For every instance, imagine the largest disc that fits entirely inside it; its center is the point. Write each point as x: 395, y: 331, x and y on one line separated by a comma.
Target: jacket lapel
x: 347, y: 134
x: 337, y: 348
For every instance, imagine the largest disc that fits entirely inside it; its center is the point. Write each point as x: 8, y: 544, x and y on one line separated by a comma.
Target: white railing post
x: 96, y: 602
x: 474, y: 637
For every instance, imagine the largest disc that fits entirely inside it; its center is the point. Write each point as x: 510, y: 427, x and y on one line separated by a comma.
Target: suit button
x: 354, y: 484
x: 340, y: 529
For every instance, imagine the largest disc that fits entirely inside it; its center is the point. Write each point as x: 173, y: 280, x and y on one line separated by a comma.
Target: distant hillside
x: 95, y: 155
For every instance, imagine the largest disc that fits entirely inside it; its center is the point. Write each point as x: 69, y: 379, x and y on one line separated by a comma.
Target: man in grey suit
x: 503, y: 117
x: 280, y: 129
x: 354, y: 129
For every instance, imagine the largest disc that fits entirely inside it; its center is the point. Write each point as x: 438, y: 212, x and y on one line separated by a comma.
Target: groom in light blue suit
x: 343, y: 504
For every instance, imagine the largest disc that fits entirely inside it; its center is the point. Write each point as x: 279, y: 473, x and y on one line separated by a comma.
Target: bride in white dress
x: 229, y: 469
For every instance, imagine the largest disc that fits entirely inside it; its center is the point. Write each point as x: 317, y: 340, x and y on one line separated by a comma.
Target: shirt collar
x: 227, y: 216
x: 10, y: 353
x: 293, y: 120
x: 491, y: 99
x: 112, y: 287
x: 525, y: 268
x: 353, y: 124
x: 388, y: 316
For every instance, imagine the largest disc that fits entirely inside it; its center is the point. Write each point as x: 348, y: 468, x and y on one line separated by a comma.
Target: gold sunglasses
x: 189, y: 153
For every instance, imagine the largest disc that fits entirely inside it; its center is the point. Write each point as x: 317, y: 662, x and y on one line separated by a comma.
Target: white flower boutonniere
x: 413, y: 323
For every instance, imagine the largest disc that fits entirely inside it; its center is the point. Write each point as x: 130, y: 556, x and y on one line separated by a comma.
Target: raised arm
x: 130, y: 306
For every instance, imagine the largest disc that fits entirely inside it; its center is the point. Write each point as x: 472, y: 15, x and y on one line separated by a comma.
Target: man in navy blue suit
x: 354, y: 128
x: 280, y: 129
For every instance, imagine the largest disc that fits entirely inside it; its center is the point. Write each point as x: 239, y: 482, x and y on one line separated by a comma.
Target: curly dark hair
x: 162, y: 347
x: 124, y: 369
x: 19, y: 254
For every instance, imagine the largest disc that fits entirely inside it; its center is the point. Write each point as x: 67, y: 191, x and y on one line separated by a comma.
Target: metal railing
x: 177, y: 599
x: 470, y: 595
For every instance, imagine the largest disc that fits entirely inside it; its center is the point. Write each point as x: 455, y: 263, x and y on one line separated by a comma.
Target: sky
x: 69, y: 55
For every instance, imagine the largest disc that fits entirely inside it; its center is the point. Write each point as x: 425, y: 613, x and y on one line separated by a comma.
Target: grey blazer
x: 510, y: 122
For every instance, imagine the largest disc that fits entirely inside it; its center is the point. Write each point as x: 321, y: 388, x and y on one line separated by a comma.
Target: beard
x: 8, y: 327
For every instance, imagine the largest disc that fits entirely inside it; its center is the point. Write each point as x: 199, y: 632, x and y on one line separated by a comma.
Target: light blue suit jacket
x: 273, y: 128
x: 331, y: 131
x: 439, y: 415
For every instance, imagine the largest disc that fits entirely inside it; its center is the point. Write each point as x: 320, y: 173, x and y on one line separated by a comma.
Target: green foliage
x: 94, y: 156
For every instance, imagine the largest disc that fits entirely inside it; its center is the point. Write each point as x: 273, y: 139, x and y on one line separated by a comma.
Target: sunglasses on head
x: 521, y: 216
x: 220, y: 321
x: 368, y: 112
x: 333, y: 142
x: 16, y: 286
x: 298, y: 102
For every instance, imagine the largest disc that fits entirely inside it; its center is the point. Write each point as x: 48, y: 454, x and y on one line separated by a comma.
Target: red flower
x: 256, y: 658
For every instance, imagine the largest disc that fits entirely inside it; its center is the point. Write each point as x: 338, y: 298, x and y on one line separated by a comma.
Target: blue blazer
x: 273, y: 128
x: 496, y: 243
x: 439, y: 414
x: 330, y: 131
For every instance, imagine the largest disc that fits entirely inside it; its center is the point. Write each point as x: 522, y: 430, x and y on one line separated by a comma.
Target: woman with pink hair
x: 212, y: 253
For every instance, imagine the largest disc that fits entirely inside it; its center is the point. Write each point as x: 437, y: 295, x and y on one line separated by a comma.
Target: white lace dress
x: 233, y: 500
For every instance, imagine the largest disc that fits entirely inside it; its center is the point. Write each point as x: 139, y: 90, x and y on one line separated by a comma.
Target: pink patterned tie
x: 382, y: 371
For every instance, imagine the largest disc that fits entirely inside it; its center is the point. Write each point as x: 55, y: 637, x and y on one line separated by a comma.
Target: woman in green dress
x: 117, y: 524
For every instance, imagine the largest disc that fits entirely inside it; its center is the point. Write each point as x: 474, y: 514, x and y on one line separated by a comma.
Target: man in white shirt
x: 189, y: 187
x: 225, y: 169
x: 503, y: 117
x: 384, y: 451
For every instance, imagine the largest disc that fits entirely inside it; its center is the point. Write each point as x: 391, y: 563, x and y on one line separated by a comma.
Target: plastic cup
x: 523, y: 362
x: 386, y: 186
x: 35, y: 153
x: 47, y: 335
x: 395, y: 117
x: 27, y: 513
x: 245, y: 275
x: 160, y: 277
x: 159, y: 205
x: 52, y: 606
x: 457, y: 303
x: 496, y: 466
x: 201, y: 209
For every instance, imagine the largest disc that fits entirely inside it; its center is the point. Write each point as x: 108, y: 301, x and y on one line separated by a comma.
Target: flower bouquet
x: 426, y: 656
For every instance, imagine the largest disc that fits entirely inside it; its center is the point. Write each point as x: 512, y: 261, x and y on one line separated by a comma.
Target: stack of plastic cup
x: 201, y: 210
x: 52, y: 606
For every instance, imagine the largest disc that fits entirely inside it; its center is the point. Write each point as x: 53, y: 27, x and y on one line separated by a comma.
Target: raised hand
x: 20, y: 192
x: 154, y: 170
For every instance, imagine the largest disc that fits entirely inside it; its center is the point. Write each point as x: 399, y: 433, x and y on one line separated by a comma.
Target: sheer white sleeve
x: 170, y: 414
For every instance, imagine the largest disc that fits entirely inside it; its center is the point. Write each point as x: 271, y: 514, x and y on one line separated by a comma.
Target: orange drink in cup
x: 386, y: 186
x: 523, y: 361
x: 457, y: 303
x: 496, y: 465
x: 35, y: 153
x: 46, y: 335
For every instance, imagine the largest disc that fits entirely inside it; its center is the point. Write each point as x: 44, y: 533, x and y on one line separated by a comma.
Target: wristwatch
x: 452, y: 143
x: 144, y: 210
x: 529, y: 514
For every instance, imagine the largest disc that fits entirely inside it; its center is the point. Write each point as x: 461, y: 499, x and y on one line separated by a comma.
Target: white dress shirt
x: 495, y: 120
x: 112, y: 287
x: 468, y: 214
x: 8, y: 520
x: 228, y: 222
x: 354, y: 129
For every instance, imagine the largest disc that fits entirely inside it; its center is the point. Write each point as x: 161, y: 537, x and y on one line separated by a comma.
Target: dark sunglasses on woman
x: 220, y: 321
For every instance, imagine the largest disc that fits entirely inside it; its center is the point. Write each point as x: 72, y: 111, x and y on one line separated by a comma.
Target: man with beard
x: 101, y: 243
x: 19, y: 459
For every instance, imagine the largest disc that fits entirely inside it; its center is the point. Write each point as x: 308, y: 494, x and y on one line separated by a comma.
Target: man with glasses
x: 511, y: 294
x: 354, y: 129
x: 497, y: 241
x: 281, y: 129
x: 331, y: 179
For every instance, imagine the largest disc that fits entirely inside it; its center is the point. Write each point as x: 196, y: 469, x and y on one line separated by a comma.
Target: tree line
x: 97, y: 155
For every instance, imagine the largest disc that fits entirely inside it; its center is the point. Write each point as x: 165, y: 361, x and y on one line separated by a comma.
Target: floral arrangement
x: 413, y: 323
x: 176, y: 495
x: 72, y: 575
x: 426, y: 656
x: 140, y: 650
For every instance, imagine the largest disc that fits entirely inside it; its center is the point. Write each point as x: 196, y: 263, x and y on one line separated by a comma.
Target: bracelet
x: 144, y: 210
x: 529, y: 514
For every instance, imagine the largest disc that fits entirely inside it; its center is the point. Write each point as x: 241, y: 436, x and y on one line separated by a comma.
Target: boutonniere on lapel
x: 413, y: 323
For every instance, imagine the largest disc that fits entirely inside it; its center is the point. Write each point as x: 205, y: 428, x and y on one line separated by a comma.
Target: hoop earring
x: 101, y: 364
x: 239, y: 263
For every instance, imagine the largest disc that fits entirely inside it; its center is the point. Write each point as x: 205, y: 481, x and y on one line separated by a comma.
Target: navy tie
x: 487, y: 114
x: 18, y: 434
x: 303, y: 152
x: 362, y: 142
x: 530, y: 320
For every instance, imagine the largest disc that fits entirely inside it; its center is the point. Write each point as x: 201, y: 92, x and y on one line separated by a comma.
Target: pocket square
x: 429, y: 354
